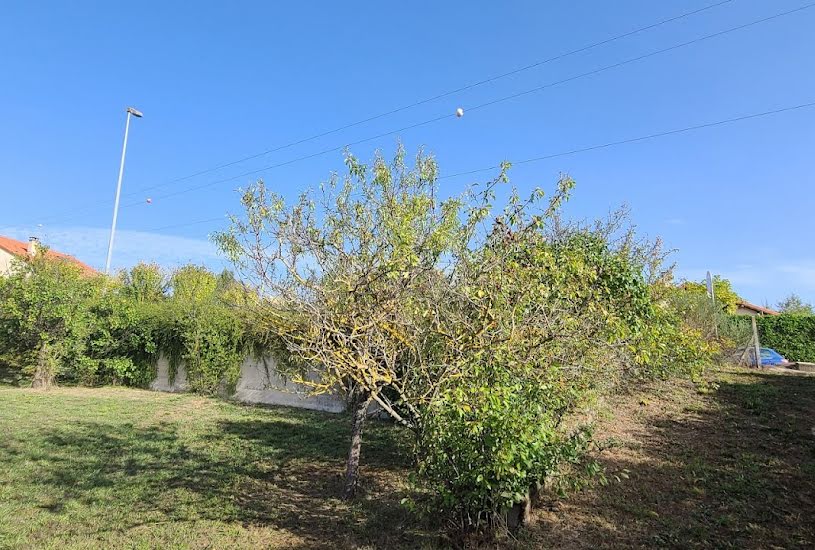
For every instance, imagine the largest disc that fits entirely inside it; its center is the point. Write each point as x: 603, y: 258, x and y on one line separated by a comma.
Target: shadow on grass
x: 732, y: 469
x: 283, y: 473
x: 735, y: 470
x: 320, y: 439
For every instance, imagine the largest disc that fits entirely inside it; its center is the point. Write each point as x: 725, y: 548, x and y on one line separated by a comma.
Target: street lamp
x: 138, y: 114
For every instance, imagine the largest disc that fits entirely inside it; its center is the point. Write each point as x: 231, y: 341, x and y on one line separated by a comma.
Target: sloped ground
x: 734, y: 468
x: 119, y: 468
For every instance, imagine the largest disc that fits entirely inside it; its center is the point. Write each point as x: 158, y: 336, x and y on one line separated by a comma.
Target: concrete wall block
x: 259, y: 382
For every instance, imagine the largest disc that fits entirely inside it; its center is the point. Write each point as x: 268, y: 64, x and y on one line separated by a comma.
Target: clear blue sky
x: 222, y: 81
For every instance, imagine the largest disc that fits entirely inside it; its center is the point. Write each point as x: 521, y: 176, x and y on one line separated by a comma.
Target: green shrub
x: 202, y: 327
x: 735, y: 331
x: 45, y: 318
x: 485, y: 445
x: 793, y: 336
x: 210, y: 340
x: 667, y: 346
x: 537, y: 324
x: 56, y: 324
x: 123, y: 338
x: 125, y: 371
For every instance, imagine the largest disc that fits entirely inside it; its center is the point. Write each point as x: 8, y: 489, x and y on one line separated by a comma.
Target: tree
x: 478, y: 328
x: 45, y: 315
x: 794, y: 305
x: 144, y: 282
x: 193, y: 284
x: 722, y: 290
x: 204, y: 331
x: 343, y: 272
x: 537, y: 313
x: 398, y: 297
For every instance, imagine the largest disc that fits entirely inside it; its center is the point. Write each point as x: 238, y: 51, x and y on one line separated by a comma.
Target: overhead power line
x: 426, y: 100
x: 186, y: 224
x: 477, y: 107
x: 488, y: 103
x: 638, y: 139
x: 580, y: 150
x: 445, y: 94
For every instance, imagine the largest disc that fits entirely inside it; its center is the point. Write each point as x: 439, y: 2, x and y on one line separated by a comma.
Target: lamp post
x: 133, y: 112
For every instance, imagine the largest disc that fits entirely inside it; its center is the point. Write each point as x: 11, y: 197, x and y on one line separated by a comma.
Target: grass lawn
x: 121, y: 468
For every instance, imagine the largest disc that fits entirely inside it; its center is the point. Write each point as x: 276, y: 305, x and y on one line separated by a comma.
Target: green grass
x: 122, y: 468
x: 90, y: 468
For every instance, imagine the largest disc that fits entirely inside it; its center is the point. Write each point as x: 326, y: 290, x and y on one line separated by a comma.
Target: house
x: 12, y: 248
x: 746, y: 308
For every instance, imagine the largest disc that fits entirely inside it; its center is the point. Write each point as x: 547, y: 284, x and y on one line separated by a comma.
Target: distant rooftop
x: 757, y: 309
x: 21, y: 249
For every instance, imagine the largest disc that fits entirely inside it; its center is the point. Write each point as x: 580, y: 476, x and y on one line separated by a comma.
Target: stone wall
x: 259, y: 383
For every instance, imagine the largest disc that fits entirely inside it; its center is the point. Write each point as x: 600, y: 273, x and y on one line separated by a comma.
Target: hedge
x: 793, y: 336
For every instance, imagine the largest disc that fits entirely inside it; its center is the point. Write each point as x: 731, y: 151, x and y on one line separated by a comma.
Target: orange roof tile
x: 757, y: 309
x: 19, y: 248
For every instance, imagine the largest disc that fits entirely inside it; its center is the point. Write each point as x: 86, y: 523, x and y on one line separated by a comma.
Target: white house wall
x: 6, y: 262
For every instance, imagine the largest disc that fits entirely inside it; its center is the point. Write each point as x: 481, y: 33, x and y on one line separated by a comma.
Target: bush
x: 537, y: 324
x: 735, y: 331
x: 793, y: 336
x: 211, y: 341
x: 484, y: 447
x: 200, y: 326
x: 45, y: 318
x: 56, y: 324
x: 123, y: 339
x: 667, y: 346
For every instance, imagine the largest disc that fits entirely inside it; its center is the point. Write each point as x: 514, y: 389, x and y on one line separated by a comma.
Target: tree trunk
x: 352, y: 467
x: 44, y: 374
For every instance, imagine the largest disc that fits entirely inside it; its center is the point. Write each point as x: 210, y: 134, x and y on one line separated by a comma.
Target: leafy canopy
x: 722, y: 290
x: 480, y: 326
x: 794, y: 305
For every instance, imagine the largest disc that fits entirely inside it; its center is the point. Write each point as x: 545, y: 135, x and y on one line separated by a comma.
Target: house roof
x: 757, y: 309
x: 21, y: 249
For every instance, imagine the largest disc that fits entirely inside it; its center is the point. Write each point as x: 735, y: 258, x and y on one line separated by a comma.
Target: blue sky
x: 223, y: 81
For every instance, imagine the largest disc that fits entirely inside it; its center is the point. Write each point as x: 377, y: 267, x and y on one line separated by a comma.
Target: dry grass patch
x: 733, y: 468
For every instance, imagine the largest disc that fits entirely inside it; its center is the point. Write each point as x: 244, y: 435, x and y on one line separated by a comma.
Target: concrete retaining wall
x: 259, y: 383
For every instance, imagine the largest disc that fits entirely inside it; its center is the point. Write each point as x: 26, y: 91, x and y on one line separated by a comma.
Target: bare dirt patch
x: 733, y: 468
